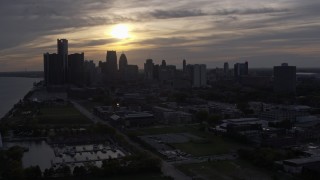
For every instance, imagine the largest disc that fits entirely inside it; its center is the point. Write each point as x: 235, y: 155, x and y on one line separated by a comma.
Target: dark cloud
x: 249, y: 11
x: 161, y: 14
x: 202, y: 30
x: 97, y: 42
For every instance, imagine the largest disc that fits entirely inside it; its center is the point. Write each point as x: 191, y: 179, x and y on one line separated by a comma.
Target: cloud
x: 249, y: 11
x: 97, y: 42
x: 202, y: 30
x: 161, y: 14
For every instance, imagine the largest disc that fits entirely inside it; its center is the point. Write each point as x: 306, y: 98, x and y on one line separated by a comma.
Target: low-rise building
x: 295, y: 166
x: 170, y: 116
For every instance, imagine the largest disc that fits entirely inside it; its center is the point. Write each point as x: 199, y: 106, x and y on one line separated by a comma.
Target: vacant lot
x: 61, y: 115
x: 209, y: 144
x: 225, y: 170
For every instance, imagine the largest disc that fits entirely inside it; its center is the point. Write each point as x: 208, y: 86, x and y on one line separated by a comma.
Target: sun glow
x: 120, y: 31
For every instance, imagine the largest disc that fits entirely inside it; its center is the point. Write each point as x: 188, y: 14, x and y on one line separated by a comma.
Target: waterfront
x: 12, y: 90
x: 45, y: 156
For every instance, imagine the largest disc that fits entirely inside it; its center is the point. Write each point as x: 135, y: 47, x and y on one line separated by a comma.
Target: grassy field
x: 225, y: 170
x: 216, y: 146
x: 210, y: 145
x: 193, y: 129
x: 146, y: 176
x: 61, y: 115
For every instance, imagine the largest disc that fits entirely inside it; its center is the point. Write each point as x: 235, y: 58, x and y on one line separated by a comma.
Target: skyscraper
x: 112, y: 64
x: 62, y: 49
x: 284, y: 78
x: 199, y: 75
x: 53, y: 69
x: 184, y: 65
x: 163, y: 64
x: 76, y: 69
x: 241, y: 69
x: 123, y: 62
x: 148, y: 69
x: 226, y: 68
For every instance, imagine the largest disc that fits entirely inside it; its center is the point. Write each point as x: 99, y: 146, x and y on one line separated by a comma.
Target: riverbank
x: 13, y: 91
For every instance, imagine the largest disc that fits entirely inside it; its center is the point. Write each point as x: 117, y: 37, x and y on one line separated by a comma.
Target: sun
x: 120, y: 31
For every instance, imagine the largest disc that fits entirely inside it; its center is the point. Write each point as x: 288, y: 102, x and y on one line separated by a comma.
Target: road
x: 167, y: 168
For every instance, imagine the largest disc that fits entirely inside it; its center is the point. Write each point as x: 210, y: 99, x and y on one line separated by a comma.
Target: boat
x: 72, y: 153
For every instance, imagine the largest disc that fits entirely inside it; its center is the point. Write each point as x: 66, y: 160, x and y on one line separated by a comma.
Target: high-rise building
x: 1, y: 144
x: 148, y: 69
x: 167, y: 73
x: 199, y: 75
x: 163, y: 64
x: 184, y: 65
x: 62, y: 50
x: 53, y: 69
x: 76, y: 69
x: 131, y: 73
x: 241, y: 69
x: 284, y: 78
x: 90, y: 73
x: 226, y: 69
x: 123, y: 62
x: 112, y: 64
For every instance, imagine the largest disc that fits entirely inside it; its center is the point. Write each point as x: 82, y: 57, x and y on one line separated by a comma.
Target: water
x: 39, y: 154
x: 12, y: 89
x: 42, y: 154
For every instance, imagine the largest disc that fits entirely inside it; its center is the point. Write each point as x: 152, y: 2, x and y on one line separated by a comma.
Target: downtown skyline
x: 208, y: 31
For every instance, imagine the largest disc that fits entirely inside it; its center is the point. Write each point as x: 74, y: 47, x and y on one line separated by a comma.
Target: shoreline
x: 29, y: 92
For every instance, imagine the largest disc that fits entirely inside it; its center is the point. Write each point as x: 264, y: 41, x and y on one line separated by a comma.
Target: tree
x: 214, y: 119
x: 79, y: 171
x: 32, y: 172
x: 202, y: 115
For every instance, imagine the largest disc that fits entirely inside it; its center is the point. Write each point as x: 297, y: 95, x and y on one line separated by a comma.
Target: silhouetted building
x: 131, y: 73
x: 156, y: 70
x: 76, y: 69
x: 112, y: 65
x: 103, y: 66
x: 284, y: 78
x: 62, y: 47
x: 199, y: 75
x: 184, y: 65
x: 166, y: 73
x: 53, y: 69
x: 1, y: 144
x: 123, y: 62
x: 163, y: 64
x: 90, y: 73
x: 148, y: 69
x: 226, y: 69
x: 241, y: 69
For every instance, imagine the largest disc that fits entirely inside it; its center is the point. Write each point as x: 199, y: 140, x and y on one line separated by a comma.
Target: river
x: 12, y: 89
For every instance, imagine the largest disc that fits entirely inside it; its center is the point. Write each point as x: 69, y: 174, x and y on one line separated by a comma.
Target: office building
x: 284, y: 78
x: 148, y: 69
x: 90, y: 73
x: 166, y: 73
x: 241, y: 69
x: 53, y: 69
x: 131, y: 73
x: 76, y: 68
x: 184, y: 65
x: 123, y: 62
x: 199, y: 75
x: 62, y: 50
x: 112, y: 65
x: 226, y: 69
x: 163, y: 64
x: 1, y: 144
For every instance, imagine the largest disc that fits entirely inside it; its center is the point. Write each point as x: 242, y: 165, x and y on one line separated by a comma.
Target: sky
x: 263, y: 32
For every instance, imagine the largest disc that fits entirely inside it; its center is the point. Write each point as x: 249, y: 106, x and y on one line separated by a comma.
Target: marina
x: 53, y: 156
